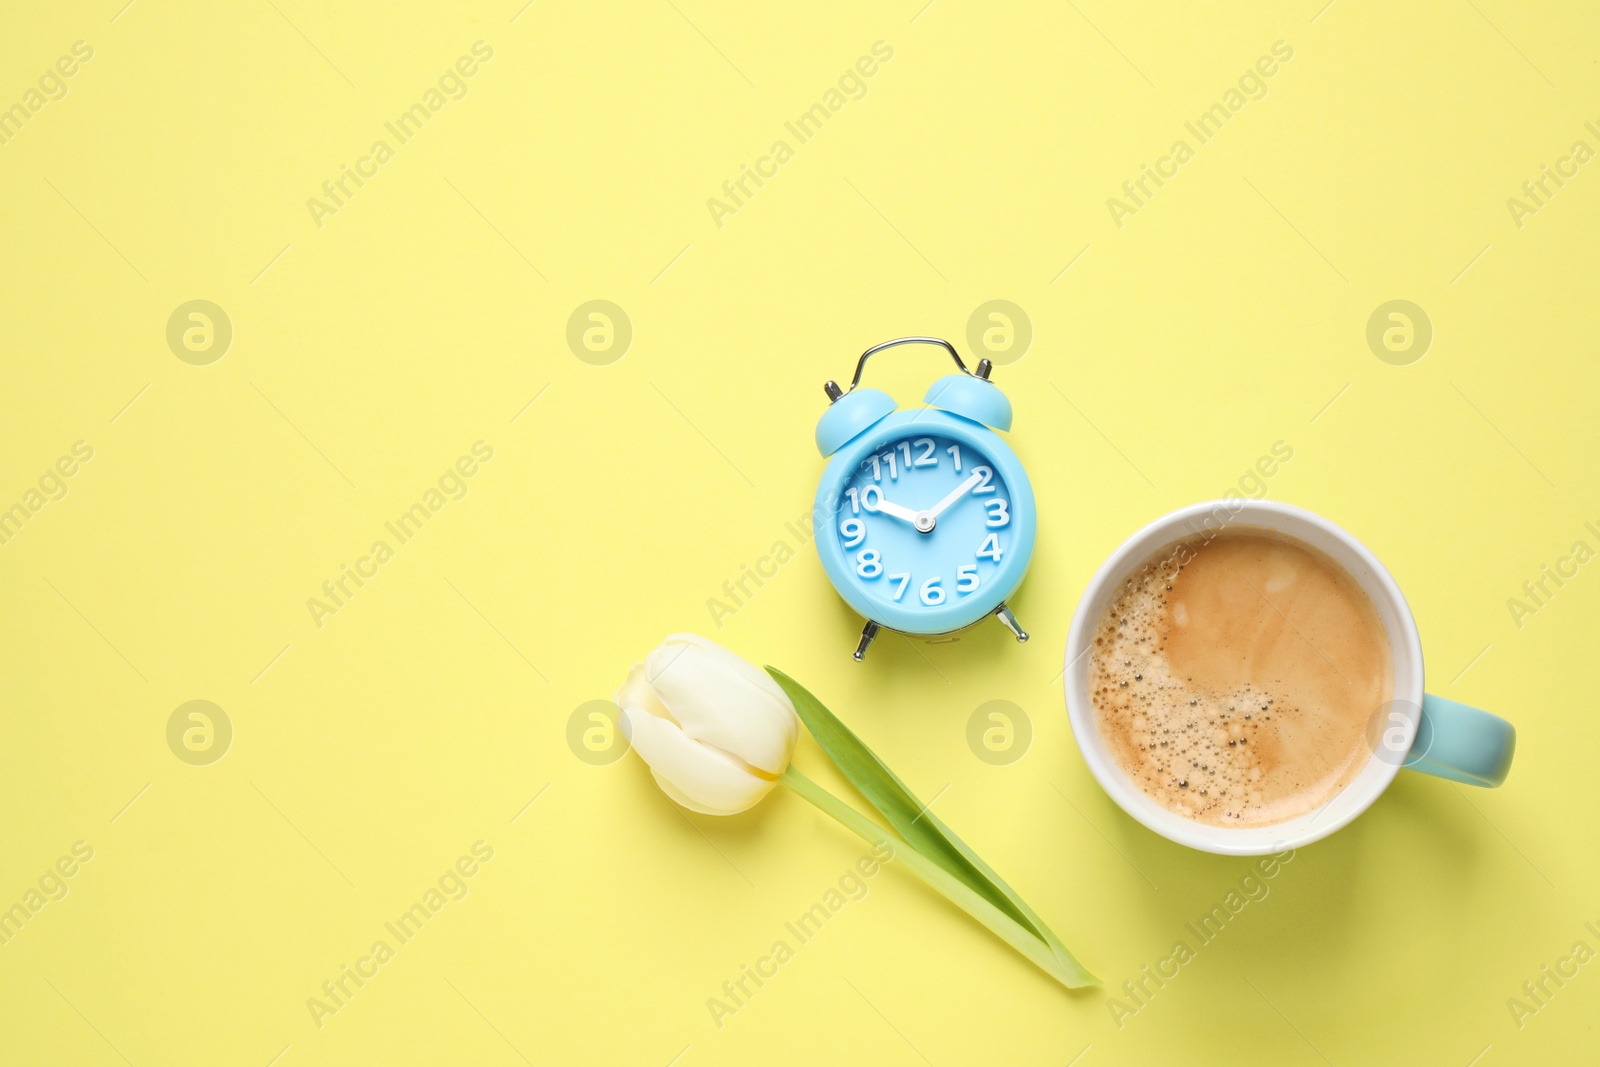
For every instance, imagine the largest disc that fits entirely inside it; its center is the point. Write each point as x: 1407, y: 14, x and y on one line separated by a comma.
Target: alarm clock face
x: 927, y: 527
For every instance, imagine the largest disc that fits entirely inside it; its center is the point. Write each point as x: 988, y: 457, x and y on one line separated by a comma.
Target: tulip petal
x: 636, y: 691
x: 732, y: 660
x: 696, y: 776
x: 721, y: 699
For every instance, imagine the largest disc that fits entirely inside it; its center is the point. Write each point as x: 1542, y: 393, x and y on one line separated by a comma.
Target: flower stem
x: 956, y: 891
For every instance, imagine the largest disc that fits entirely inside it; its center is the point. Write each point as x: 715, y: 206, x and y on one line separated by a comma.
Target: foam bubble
x: 1202, y: 753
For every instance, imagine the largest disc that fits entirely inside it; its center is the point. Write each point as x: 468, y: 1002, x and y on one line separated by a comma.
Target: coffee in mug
x: 1234, y: 677
x: 1269, y: 604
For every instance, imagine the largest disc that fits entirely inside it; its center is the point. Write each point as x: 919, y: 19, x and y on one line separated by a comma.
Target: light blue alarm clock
x: 925, y: 517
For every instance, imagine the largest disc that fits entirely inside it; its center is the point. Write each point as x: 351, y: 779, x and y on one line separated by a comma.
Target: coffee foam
x: 1270, y: 730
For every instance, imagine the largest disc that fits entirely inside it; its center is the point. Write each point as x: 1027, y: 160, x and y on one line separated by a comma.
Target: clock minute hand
x: 955, y: 494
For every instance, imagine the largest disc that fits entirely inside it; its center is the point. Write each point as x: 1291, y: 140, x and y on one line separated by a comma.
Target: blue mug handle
x: 1461, y: 743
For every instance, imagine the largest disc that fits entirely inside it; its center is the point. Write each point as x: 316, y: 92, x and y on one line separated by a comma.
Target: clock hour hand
x: 898, y: 511
x: 955, y: 494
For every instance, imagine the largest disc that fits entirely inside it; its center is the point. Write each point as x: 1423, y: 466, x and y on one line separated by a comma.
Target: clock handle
x: 983, y: 369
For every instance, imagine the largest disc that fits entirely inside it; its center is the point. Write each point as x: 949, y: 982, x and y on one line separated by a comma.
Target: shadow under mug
x: 1415, y: 730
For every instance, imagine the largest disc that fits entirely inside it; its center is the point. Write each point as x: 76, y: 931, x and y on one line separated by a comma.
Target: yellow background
x: 369, y: 353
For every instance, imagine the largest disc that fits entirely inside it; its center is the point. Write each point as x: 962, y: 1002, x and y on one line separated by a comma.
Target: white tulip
x: 716, y: 731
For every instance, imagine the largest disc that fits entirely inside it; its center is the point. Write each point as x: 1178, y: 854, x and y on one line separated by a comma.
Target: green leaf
x: 910, y: 818
x: 1064, y: 970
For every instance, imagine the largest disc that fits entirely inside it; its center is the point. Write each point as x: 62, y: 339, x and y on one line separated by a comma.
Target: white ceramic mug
x: 1416, y: 730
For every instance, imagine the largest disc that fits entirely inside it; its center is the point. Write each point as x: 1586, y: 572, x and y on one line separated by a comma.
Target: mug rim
x: 1351, y: 800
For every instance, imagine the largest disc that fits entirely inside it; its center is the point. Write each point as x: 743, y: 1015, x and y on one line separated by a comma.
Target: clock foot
x: 868, y: 632
x: 1010, y: 622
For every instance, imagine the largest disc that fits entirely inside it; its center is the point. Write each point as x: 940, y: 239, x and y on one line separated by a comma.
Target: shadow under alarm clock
x: 927, y: 517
